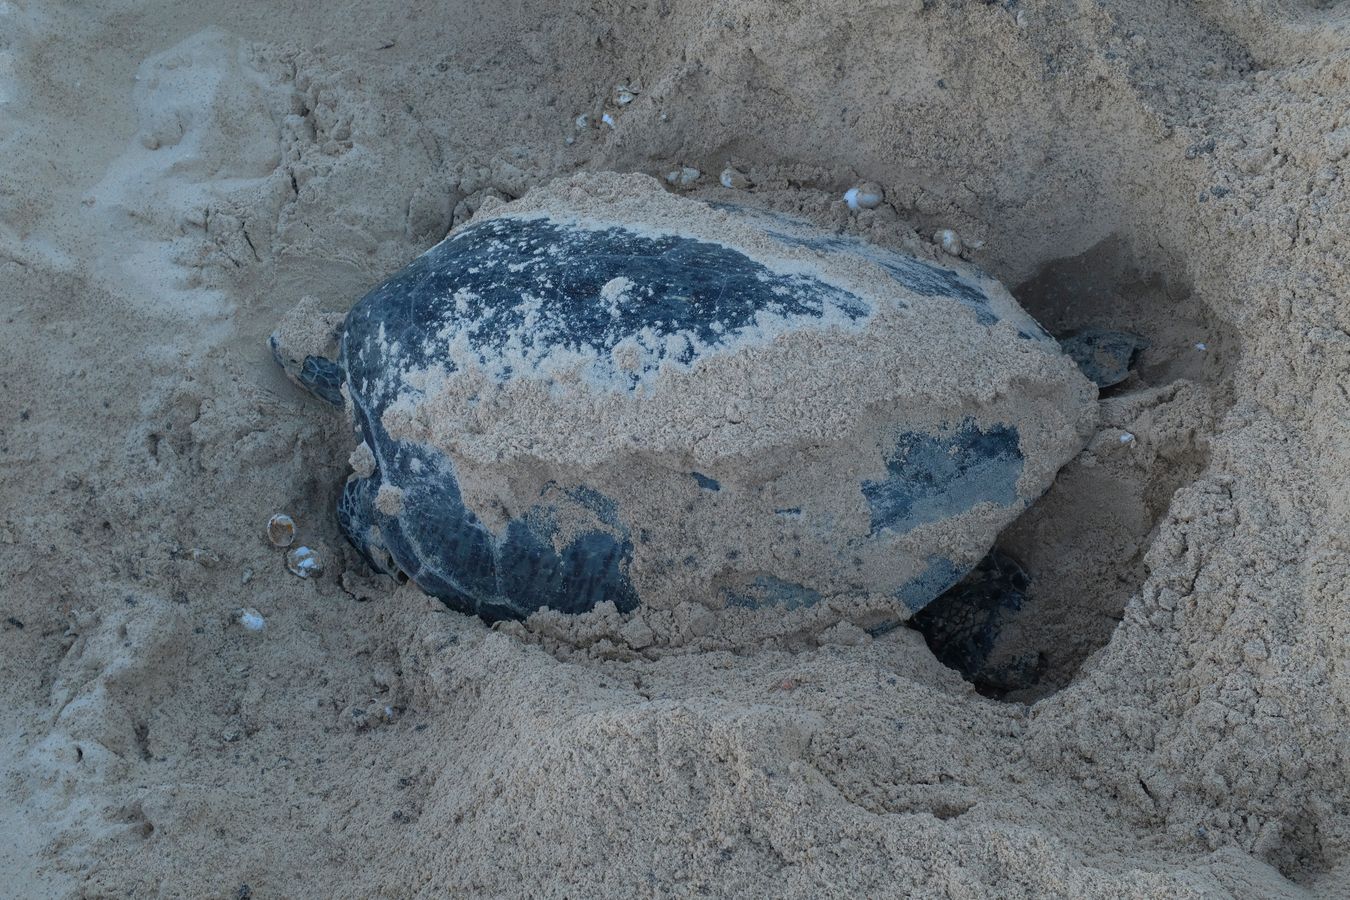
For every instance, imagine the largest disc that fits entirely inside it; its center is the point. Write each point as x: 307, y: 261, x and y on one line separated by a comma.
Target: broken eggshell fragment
x: 303, y: 562
x: 685, y: 176
x: 867, y: 195
x: 949, y: 241
x: 280, y: 530
x: 734, y: 178
x: 251, y: 619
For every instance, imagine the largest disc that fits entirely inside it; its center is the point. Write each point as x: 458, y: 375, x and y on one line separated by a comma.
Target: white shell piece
x: 304, y: 563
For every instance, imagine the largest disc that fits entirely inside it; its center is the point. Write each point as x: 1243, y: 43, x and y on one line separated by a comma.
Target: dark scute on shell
x: 928, y: 279
x: 438, y: 543
x: 931, y: 477
x: 479, y: 277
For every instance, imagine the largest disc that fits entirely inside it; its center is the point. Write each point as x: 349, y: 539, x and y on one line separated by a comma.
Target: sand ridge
x: 367, y: 741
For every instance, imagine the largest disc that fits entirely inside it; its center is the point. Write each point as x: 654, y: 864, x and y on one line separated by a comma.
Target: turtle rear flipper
x: 965, y: 627
x: 1105, y: 357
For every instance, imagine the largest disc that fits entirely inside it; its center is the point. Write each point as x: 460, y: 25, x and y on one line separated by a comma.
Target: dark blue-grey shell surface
x: 475, y: 279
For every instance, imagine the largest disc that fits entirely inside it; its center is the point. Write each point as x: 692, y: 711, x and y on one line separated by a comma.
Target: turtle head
x: 304, y: 344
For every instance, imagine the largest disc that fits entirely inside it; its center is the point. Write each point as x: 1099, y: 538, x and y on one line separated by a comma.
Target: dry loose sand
x: 183, y: 717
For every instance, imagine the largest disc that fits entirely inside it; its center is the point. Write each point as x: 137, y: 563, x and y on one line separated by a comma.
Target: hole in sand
x: 1058, y: 581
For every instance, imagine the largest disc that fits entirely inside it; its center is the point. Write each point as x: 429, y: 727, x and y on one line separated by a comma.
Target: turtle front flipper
x: 322, y: 377
x: 302, y: 345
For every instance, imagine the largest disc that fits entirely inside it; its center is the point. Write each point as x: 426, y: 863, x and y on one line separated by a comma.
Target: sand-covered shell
x: 605, y: 392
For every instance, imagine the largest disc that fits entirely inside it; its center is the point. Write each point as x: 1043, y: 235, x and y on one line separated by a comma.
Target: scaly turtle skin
x: 303, y: 345
x: 1104, y: 356
x: 404, y: 509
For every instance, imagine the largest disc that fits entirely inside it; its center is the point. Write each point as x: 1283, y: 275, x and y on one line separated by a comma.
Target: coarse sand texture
x: 1163, y: 710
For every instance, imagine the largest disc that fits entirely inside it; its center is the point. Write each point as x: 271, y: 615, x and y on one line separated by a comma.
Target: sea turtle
x: 606, y: 393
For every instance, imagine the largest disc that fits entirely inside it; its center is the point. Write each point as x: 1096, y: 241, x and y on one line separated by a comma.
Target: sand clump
x: 1186, y: 160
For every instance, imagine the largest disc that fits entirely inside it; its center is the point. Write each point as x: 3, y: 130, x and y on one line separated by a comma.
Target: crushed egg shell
x: 949, y: 241
x: 867, y: 195
x: 281, y: 530
x: 734, y: 178
x: 304, y: 563
x: 684, y: 176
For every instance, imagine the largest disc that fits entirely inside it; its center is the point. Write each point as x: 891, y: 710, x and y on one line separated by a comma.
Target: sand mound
x: 1175, y: 170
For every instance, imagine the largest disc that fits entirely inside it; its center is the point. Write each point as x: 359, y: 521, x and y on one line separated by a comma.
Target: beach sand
x: 178, y: 175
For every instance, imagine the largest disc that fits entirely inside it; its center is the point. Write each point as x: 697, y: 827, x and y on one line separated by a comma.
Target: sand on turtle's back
x: 367, y: 741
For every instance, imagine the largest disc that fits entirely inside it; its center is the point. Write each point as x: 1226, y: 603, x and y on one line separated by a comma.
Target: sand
x: 178, y: 175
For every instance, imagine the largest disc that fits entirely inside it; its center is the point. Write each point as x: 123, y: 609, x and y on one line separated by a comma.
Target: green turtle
x: 558, y: 406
